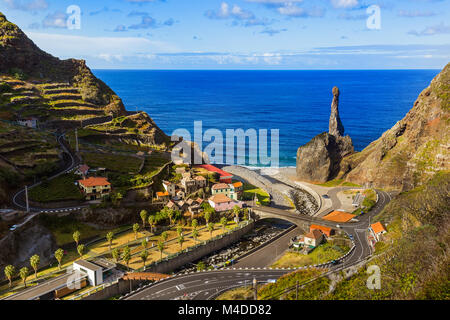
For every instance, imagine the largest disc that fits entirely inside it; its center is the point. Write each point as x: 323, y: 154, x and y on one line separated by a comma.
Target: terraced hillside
x: 36, y: 156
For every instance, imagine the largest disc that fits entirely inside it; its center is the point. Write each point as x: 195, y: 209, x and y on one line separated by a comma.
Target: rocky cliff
x: 320, y: 159
x: 412, y: 151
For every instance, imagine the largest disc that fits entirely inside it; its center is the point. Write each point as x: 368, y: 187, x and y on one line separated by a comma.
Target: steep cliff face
x: 18, y: 247
x: 412, y: 151
x: 320, y: 159
x: 19, y: 54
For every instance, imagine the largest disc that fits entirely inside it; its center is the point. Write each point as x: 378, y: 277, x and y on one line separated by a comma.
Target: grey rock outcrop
x: 336, y: 127
x: 320, y: 159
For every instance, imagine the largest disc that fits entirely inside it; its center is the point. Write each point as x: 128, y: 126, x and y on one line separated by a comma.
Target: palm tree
x: 170, y: 214
x: 151, y: 222
x: 24, y: 275
x: 80, y: 250
x: 144, y: 215
x: 76, y: 237
x: 110, y: 237
x: 126, y: 256
x: 144, y: 243
x: 181, y: 241
x: 34, y: 262
x: 59, y: 255
x: 9, y: 273
x: 237, y: 212
x: 224, y: 223
x: 115, y: 254
x: 135, y: 230
x: 195, y: 234
x: 164, y: 236
x: 207, y: 216
x: 194, y: 223
x: 211, y: 229
x: 144, y: 256
x: 179, y: 230
x: 161, y: 247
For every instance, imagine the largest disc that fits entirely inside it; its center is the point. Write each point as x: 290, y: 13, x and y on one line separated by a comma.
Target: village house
x: 327, y: 231
x: 172, y: 205
x: 232, y: 190
x: 82, y: 170
x: 224, y: 177
x: 170, y: 188
x: 28, y: 122
x: 189, y: 184
x: 377, y: 230
x: 163, y: 196
x: 221, y: 202
x: 95, y: 188
x: 313, y: 238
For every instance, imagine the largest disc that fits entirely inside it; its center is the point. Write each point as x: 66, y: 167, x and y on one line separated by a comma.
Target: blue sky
x: 240, y: 34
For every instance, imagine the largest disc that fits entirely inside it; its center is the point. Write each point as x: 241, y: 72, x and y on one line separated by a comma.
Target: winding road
x: 19, y: 198
x: 208, y: 285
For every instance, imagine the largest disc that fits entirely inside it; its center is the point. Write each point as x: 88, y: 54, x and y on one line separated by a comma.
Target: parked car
x: 14, y: 227
x: 325, y: 196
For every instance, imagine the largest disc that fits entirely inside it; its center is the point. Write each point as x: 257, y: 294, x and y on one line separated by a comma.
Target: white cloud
x: 101, y: 47
x: 344, y: 3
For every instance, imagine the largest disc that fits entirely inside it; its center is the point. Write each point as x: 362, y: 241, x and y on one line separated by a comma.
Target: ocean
x: 298, y: 103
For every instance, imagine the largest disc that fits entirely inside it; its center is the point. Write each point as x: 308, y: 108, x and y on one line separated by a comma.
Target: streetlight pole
x: 255, y: 289
x: 26, y: 199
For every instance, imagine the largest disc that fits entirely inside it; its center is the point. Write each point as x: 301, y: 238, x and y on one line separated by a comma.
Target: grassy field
x: 59, y: 189
x: 338, y: 183
x: 249, y: 194
x: 112, y: 162
x: 324, y: 253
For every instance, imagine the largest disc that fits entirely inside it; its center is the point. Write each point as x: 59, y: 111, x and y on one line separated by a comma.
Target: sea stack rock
x: 336, y: 127
x: 319, y: 160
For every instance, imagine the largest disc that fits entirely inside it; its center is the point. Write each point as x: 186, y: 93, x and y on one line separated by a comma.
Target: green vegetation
x: 113, y: 162
x: 273, y: 291
x: 415, y: 256
x: 61, y: 188
x: 338, y: 183
x: 249, y: 194
x: 244, y: 293
x: 323, y: 253
x: 63, y: 228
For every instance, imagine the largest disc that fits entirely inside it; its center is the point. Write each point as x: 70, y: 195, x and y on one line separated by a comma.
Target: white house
x: 313, y: 238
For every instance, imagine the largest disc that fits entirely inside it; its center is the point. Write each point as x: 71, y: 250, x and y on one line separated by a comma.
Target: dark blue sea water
x: 296, y: 102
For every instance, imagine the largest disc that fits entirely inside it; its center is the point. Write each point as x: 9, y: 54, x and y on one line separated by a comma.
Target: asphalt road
x: 207, y: 285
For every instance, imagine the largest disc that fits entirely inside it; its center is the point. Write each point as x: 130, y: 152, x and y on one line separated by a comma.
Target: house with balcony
x: 95, y: 188
x: 233, y: 190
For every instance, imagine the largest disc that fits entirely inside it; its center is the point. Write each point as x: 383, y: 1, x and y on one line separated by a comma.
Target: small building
x: 28, y: 122
x: 225, y: 177
x: 313, y: 238
x: 172, y: 205
x: 170, y: 188
x: 94, y: 272
x: 325, y: 230
x: 232, y: 191
x: 95, y: 188
x: 200, y: 181
x: 180, y: 194
x: 221, y: 202
x: 377, y: 230
x: 82, y: 170
x: 339, y: 216
x: 163, y: 196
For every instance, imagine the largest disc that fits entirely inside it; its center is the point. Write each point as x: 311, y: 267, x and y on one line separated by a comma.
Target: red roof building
x: 225, y: 177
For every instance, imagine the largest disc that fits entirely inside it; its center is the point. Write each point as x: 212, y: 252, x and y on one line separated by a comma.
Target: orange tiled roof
x: 378, y: 227
x: 220, y: 198
x: 321, y: 228
x: 238, y: 184
x: 220, y: 186
x: 94, y: 182
x: 162, y: 194
x: 315, y: 234
x: 339, y: 216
